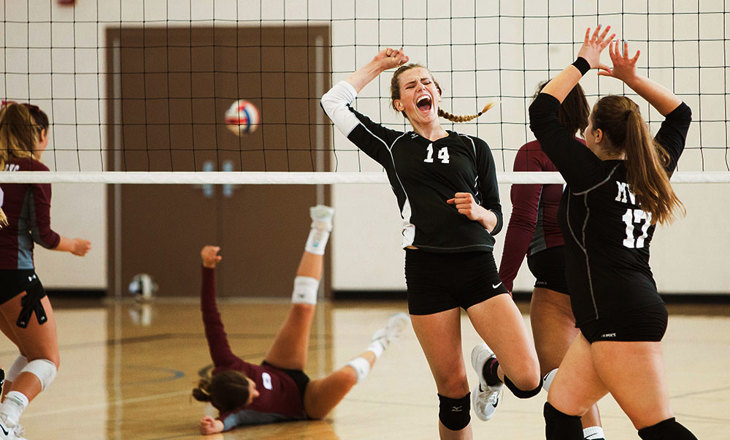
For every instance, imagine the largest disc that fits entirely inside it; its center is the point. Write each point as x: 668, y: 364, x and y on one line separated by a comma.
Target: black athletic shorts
x: 647, y: 323
x: 300, y: 378
x: 548, y: 267
x: 16, y: 281
x: 442, y: 281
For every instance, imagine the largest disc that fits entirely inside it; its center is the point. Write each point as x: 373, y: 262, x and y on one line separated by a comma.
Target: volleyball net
x: 138, y: 91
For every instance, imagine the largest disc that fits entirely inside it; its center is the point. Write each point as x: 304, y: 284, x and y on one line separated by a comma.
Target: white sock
x: 547, y: 380
x: 305, y: 290
x: 317, y: 240
x: 12, y: 407
x: 593, y: 433
x: 377, y: 347
x: 361, y: 367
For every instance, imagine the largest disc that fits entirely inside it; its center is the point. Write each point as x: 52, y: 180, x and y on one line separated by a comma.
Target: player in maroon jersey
x: 534, y: 231
x: 278, y: 390
x: 23, y: 138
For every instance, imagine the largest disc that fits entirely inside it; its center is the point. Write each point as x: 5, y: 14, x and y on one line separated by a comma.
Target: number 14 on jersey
x: 442, y: 155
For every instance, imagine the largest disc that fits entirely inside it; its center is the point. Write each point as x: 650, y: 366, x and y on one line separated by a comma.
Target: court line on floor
x: 106, y: 404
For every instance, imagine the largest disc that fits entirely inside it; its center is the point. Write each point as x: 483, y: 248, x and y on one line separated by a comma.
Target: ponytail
x: 21, y: 127
x: 462, y: 118
x: 395, y: 94
x: 646, y: 160
x: 226, y: 390
x: 646, y: 173
x: 201, y: 393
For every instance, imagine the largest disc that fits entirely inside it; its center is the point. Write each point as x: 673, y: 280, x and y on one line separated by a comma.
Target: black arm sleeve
x: 577, y: 164
x: 373, y: 139
x: 488, y: 187
x: 673, y: 133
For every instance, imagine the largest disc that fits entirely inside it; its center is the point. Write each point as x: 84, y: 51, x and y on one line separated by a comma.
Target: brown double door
x: 170, y: 88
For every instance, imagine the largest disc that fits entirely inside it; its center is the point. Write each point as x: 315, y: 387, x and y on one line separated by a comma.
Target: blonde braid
x: 461, y: 118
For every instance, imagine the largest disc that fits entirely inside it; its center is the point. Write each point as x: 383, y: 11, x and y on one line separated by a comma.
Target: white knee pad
x: 305, y: 290
x: 43, y: 369
x: 15, y: 369
x: 361, y: 367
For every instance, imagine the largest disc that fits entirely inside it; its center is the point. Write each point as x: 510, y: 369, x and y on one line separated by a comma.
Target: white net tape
x: 291, y: 178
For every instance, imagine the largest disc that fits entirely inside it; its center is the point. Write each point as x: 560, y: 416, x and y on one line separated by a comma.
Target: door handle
x: 228, y: 187
x: 208, y: 189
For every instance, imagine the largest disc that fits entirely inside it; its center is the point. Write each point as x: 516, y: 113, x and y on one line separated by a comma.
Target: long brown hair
x: 573, y: 111
x: 21, y: 127
x: 620, y: 119
x: 395, y: 94
x: 226, y: 390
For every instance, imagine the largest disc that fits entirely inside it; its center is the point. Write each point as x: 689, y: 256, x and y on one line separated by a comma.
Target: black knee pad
x: 666, y: 429
x: 454, y: 413
x: 522, y: 394
x: 560, y: 426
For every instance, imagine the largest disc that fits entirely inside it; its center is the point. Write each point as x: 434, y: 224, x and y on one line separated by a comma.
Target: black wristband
x: 581, y: 64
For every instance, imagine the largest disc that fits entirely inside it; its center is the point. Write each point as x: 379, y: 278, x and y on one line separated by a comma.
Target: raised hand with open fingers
x: 624, y: 66
x: 593, y: 45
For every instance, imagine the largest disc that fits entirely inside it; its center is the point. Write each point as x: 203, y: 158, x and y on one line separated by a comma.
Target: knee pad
x: 522, y: 394
x: 15, y: 369
x: 305, y: 290
x: 560, y: 426
x: 361, y: 367
x: 454, y: 413
x: 43, y: 369
x: 669, y: 428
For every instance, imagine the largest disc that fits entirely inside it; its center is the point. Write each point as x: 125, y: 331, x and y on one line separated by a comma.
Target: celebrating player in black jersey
x: 618, y: 189
x: 446, y: 187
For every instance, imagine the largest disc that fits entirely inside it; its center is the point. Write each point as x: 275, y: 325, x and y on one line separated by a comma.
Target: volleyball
x: 242, y: 117
x: 142, y: 287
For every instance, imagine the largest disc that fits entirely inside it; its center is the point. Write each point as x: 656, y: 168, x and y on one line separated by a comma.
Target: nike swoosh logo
x: 5, y: 431
x: 494, y: 286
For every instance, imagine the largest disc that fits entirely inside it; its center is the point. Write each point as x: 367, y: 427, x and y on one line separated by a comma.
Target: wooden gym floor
x: 127, y: 371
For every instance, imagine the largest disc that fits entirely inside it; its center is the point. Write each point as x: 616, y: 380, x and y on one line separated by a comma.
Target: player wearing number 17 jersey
x: 617, y: 190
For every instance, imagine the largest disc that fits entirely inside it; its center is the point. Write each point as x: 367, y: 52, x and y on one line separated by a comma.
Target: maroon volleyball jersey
x: 533, y: 225
x: 28, y: 208
x: 279, y: 398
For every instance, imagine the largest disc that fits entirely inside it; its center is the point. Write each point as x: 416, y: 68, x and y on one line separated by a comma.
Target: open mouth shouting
x: 424, y: 103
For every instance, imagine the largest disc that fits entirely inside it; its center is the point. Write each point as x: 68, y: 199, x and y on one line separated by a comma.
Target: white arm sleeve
x: 335, y: 102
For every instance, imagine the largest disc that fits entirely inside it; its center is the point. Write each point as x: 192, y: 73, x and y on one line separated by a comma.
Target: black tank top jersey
x: 424, y: 174
x: 607, y: 235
